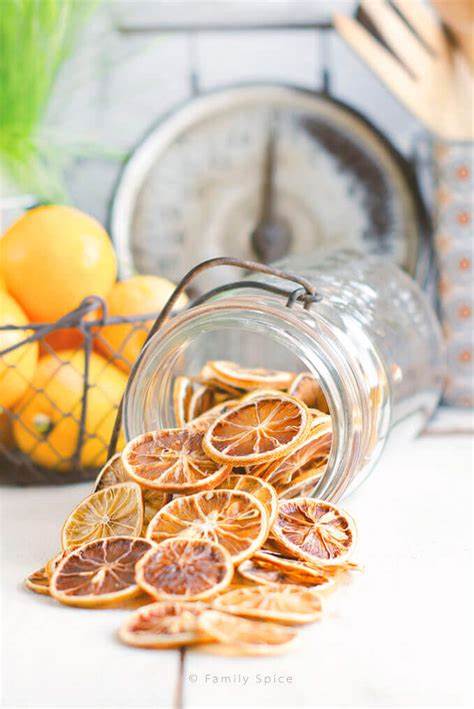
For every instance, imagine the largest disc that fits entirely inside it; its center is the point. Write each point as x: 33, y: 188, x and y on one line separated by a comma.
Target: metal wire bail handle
x: 306, y: 292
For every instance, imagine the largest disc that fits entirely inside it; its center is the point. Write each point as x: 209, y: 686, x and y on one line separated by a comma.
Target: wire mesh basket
x: 71, y: 374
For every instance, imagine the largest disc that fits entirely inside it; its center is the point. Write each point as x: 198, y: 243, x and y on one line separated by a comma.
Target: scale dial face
x: 193, y: 189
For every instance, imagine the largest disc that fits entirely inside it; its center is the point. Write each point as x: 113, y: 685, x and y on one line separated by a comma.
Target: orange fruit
x: 239, y: 636
x: 266, y: 568
x: 136, y: 296
x: 172, y: 460
x: 182, y: 394
x: 257, y: 431
x: 314, y: 530
x: 69, y: 338
x: 101, y: 572
x: 7, y: 441
x: 164, y: 624
x: 232, y: 374
x: 114, y: 472
x: 307, y: 389
x: 305, y: 464
x: 55, y: 256
x: 111, y: 512
x: 38, y: 582
x: 236, y: 520
x: 17, y: 368
x: 185, y: 569
x: 259, y: 489
x: 47, y: 427
x: 286, y: 604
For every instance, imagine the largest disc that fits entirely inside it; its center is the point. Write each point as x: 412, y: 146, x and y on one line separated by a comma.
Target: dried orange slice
x: 172, y: 460
x: 51, y: 565
x: 305, y: 464
x: 112, y: 473
x: 314, y: 530
x: 185, y: 569
x: 257, y: 431
x: 307, y: 389
x: 265, y: 568
x: 201, y: 401
x: 234, y: 375
x: 182, y: 394
x: 286, y: 604
x: 99, y: 573
x: 164, y: 624
x: 153, y: 501
x: 239, y: 636
x: 110, y: 512
x: 201, y: 423
x: 234, y: 519
x: 207, y: 377
x: 263, y: 491
x: 38, y: 582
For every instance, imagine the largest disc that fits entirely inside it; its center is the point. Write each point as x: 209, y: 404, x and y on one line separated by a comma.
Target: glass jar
x: 372, y: 340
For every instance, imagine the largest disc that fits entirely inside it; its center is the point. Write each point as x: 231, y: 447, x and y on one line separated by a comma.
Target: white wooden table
x: 398, y: 635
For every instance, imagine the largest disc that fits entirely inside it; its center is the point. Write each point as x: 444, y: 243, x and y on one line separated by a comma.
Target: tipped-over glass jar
x: 372, y: 340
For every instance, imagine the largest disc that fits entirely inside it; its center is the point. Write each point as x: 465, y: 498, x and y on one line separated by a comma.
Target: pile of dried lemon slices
x: 210, y: 519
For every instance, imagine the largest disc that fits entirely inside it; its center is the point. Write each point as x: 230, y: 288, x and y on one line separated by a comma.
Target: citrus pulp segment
x: 257, y: 431
x: 286, y: 604
x: 243, y: 636
x: 233, y: 519
x: 110, y: 512
x: 233, y: 374
x: 185, y: 569
x: 100, y: 572
x: 38, y: 582
x: 314, y: 530
x: 172, y: 460
x: 164, y: 624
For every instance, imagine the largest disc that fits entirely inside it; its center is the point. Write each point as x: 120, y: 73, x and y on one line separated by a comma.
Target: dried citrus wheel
x: 260, y: 489
x: 182, y: 393
x: 234, y: 375
x: 201, y: 423
x: 172, y: 460
x: 38, y: 582
x: 185, y: 569
x: 114, y: 472
x: 234, y: 519
x: 307, y: 389
x: 164, y: 624
x: 201, y: 401
x: 303, y: 465
x: 313, y: 530
x: 265, y: 568
x: 285, y: 604
x: 207, y: 377
x: 244, y: 637
x: 110, y: 512
x: 257, y: 431
x: 100, y: 572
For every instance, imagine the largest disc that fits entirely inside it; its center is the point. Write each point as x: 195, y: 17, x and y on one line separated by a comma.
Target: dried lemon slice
x: 234, y: 375
x: 182, y: 394
x: 38, y: 582
x: 172, y: 460
x: 164, y: 624
x: 240, y: 636
x: 306, y: 464
x: 234, y: 519
x: 112, y: 511
x: 185, y: 569
x: 265, y: 568
x: 314, y: 530
x: 99, y: 573
x: 307, y: 389
x: 260, y: 430
x: 263, y: 491
x: 286, y: 604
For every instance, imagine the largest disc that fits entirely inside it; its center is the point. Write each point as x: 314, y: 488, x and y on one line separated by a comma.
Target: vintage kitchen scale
x: 312, y: 169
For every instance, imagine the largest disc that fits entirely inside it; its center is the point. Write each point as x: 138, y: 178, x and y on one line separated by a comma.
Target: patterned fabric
x: 454, y: 165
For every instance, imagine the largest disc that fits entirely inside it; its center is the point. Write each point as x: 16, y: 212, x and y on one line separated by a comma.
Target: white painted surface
x: 398, y: 635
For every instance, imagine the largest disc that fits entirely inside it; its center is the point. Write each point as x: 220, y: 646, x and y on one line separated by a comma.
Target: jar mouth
x: 254, y: 331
